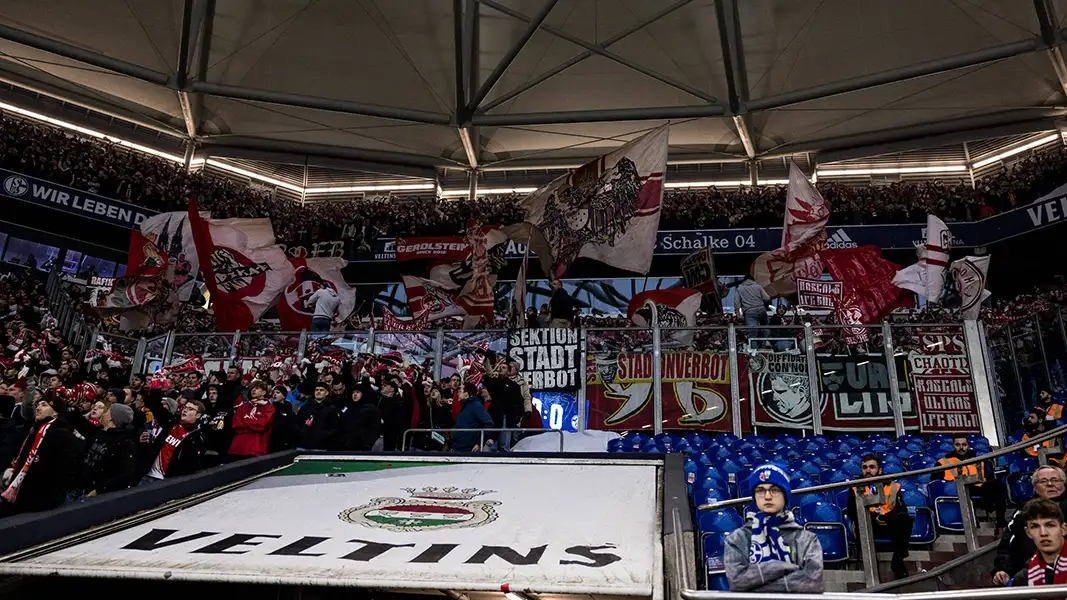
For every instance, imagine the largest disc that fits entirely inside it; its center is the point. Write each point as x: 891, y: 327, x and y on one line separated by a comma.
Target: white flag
x: 607, y: 210
x: 927, y: 277
x: 803, y: 237
x: 970, y: 276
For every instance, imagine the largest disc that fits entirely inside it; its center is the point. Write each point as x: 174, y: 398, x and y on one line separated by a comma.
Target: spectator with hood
x: 15, y: 419
x: 180, y: 447
x: 772, y: 552
x: 283, y: 434
x: 46, y: 464
x: 110, y: 463
x: 252, y: 422
x: 319, y: 421
x: 396, y: 403
x: 361, y: 422
x: 505, y: 402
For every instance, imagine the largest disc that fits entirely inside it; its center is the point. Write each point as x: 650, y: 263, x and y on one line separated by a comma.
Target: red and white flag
x: 245, y: 270
x: 607, y: 210
x: 162, y: 238
x: 927, y: 277
x: 431, y: 298
x: 970, y: 275
x: 867, y: 293
x: 803, y: 237
x: 391, y: 322
x: 675, y: 308
x: 309, y: 276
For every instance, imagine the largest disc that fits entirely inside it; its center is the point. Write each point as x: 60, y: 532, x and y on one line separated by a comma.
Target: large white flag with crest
x: 970, y: 275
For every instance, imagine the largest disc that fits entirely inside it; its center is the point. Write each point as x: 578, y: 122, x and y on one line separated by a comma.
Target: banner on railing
x: 946, y: 404
x: 549, y: 359
x: 695, y: 387
x: 69, y: 200
x: 854, y: 391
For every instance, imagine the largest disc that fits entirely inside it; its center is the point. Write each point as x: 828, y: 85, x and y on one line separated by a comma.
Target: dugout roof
x: 410, y: 87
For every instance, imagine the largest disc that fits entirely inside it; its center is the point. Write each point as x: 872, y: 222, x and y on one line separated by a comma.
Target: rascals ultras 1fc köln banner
x: 695, y: 385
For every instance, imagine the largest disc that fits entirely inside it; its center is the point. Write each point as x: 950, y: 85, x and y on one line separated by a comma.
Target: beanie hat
x: 120, y: 394
x: 282, y: 389
x: 773, y: 474
x: 121, y: 415
x: 170, y: 405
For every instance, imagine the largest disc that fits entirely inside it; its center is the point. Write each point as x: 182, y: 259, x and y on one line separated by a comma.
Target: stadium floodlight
x: 90, y: 132
x: 489, y: 191
x: 251, y: 175
x: 892, y: 171
x: 726, y: 183
x: 1029, y: 146
x: 401, y: 187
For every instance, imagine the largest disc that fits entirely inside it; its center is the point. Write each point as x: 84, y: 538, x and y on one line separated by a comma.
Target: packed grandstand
x: 632, y: 363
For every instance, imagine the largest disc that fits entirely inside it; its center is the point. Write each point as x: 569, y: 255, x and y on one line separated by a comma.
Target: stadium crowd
x: 105, y: 168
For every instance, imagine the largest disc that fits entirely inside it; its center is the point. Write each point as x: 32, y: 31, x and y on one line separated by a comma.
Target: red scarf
x: 1035, y: 574
x: 12, y: 491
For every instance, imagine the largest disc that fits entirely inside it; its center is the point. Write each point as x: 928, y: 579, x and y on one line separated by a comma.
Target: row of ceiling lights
x: 310, y: 191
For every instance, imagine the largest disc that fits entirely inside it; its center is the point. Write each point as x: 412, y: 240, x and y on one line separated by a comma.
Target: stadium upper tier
x: 111, y: 170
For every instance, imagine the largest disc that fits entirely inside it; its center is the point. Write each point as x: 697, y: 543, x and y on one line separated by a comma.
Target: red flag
x: 309, y: 275
x: 676, y: 307
x: 244, y: 269
x: 868, y: 293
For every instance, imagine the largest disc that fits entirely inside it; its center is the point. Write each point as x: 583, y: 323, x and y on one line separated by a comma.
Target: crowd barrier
x: 899, y: 377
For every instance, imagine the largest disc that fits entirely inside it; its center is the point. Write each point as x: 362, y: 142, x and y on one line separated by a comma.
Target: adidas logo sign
x: 840, y: 240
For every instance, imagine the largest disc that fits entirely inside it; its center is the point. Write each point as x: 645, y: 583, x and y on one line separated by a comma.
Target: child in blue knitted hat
x: 772, y: 553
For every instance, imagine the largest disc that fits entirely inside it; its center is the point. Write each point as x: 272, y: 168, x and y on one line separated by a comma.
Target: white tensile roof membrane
x: 929, y: 66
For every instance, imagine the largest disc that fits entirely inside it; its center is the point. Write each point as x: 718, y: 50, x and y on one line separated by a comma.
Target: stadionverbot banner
x: 695, y: 388
x: 469, y: 524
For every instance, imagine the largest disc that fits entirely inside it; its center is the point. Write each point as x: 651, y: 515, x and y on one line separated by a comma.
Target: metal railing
x: 481, y: 443
x: 1012, y: 593
x: 866, y: 541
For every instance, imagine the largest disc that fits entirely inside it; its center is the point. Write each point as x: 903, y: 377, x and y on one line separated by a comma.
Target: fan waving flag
x: 310, y: 275
x: 675, y: 308
x: 607, y: 210
x: 803, y: 236
x: 927, y: 277
x: 868, y: 293
x: 244, y: 269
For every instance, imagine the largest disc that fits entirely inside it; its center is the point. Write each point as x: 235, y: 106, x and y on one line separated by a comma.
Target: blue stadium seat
x: 922, y: 525
x: 1025, y: 464
x: 808, y: 446
x: 741, y: 477
x: 709, y: 496
x: 720, y: 520
x: 758, y: 440
x: 719, y: 453
x: 1020, y: 488
x: 808, y: 469
x: 826, y: 521
x: 787, y: 438
x: 821, y: 439
x: 946, y: 505
x: 889, y: 468
x: 697, y: 440
x: 725, y: 438
x: 653, y: 447
x: 1015, y: 437
x: 618, y: 445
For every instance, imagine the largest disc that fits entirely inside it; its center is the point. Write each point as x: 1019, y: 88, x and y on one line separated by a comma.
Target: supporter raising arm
x: 253, y: 420
x: 181, y: 444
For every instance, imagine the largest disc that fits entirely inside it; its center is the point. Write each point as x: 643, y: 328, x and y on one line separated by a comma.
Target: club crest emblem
x: 428, y: 509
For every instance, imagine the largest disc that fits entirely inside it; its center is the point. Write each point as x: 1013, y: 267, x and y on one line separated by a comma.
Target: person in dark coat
x: 395, y: 403
x: 472, y: 415
x: 505, y: 403
x: 319, y: 421
x: 284, y: 435
x: 181, y: 445
x: 13, y: 428
x: 361, y: 423
x: 1015, y: 547
x: 436, y: 414
x: 110, y: 463
x: 46, y: 464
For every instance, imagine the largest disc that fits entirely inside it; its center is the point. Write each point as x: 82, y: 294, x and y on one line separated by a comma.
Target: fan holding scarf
x: 772, y: 553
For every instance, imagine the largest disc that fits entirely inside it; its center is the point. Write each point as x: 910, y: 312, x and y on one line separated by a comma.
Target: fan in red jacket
x: 252, y: 422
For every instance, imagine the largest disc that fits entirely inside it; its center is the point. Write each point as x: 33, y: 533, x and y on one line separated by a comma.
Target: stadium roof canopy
x: 409, y: 87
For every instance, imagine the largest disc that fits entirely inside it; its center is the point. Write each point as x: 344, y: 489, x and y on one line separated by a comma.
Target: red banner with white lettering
x: 695, y: 385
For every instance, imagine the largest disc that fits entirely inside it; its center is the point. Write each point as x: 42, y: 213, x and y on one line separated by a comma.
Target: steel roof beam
x: 82, y: 55
x: 733, y: 56
x: 290, y: 148
x: 509, y: 56
x: 183, y: 69
x: 460, y: 63
x: 1046, y: 18
x: 577, y: 59
x: 932, y: 67
x: 602, y: 52
x: 599, y: 116
x: 317, y: 103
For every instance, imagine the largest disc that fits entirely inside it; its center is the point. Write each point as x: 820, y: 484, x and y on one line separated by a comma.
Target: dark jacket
x: 284, y: 434
x: 472, y: 415
x: 189, y: 452
x: 396, y: 416
x: 505, y: 404
x: 361, y: 425
x: 110, y: 461
x: 1016, y: 548
x: 436, y: 417
x: 561, y: 305
x: 319, y: 425
x: 12, y: 433
x: 50, y: 477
